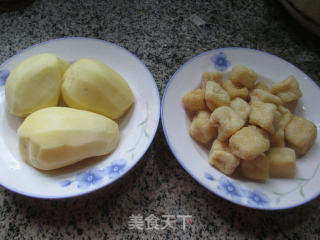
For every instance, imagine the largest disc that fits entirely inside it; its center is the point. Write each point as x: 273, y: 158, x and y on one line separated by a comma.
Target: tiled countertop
x: 164, y: 34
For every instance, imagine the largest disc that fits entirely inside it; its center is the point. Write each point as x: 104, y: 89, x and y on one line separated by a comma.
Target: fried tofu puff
x: 249, y: 142
x: 221, y: 157
x: 227, y: 121
x: 300, y: 133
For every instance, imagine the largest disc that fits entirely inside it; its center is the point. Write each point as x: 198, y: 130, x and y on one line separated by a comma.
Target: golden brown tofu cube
x: 282, y: 162
x: 201, y: 128
x: 215, y: 95
x: 281, y: 119
x: 227, y: 121
x: 300, y: 133
x: 194, y: 101
x: 263, y: 86
x: 266, y: 96
x: 288, y: 90
x: 241, y: 107
x: 210, y: 76
x: 221, y: 158
x: 244, y: 76
x: 285, y: 117
x: 249, y: 142
x: 234, y: 90
x: 219, y: 145
x: 257, y: 169
x: 262, y: 115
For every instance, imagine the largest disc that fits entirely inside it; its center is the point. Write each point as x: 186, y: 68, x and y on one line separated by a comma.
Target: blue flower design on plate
x: 91, y: 177
x: 257, y: 198
x: 220, y: 61
x: 95, y: 176
x: 229, y: 188
x: 209, y: 176
x: 3, y: 76
x: 115, y: 169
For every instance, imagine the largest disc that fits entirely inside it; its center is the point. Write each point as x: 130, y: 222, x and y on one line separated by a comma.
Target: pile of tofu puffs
x: 246, y: 124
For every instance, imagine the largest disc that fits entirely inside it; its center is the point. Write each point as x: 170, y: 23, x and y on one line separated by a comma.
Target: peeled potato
x: 55, y: 137
x: 35, y: 84
x: 93, y: 86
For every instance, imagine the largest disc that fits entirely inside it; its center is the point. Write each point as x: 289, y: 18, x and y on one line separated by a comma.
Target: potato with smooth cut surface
x: 210, y: 76
x: 55, y: 137
x: 215, y: 95
x: 300, y: 133
x: 234, y: 90
x: 257, y: 169
x: 201, y: 129
x: 241, y: 107
x: 244, y: 76
x: 282, y: 162
x: 249, y: 142
x: 227, y: 121
x: 288, y: 90
x: 91, y: 85
x: 262, y: 115
x: 221, y: 157
x: 34, y: 84
x: 194, y: 101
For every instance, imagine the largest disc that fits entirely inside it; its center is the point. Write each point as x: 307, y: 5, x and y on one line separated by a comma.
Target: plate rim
x: 152, y: 136
x: 190, y: 60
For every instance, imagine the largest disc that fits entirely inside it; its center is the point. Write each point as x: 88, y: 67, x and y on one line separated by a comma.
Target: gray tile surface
x: 164, y: 34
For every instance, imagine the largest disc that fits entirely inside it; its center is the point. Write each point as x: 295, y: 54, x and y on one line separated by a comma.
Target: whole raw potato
x: 35, y: 83
x: 93, y: 86
x: 55, y: 137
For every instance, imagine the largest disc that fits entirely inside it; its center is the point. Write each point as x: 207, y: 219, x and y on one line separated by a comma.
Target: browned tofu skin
x: 300, y: 133
x: 249, y: 142
x: 201, y: 129
x: 256, y: 169
x: 282, y: 162
x: 194, y: 101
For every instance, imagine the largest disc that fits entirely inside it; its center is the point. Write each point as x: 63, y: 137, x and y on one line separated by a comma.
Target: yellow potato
x: 221, y: 158
x: 234, y: 90
x: 227, y: 121
x: 194, y: 101
x: 55, y: 137
x: 210, y: 76
x: 244, y: 76
x: 93, y: 86
x: 249, y: 142
x: 201, y: 129
x: 34, y: 84
x: 288, y: 90
x: 215, y: 95
x: 300, y: 133
x: 257, y: 169
x: 282, y: 162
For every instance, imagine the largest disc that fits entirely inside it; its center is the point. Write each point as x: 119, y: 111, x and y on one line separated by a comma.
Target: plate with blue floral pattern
x: 137, y: 127
x: 272, y: 194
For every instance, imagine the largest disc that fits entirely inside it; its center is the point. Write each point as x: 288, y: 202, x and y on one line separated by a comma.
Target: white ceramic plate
x: 137, y: 128
x: 272, y: 194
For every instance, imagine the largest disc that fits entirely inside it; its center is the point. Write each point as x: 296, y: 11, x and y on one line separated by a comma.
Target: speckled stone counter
x: 164, y: 34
